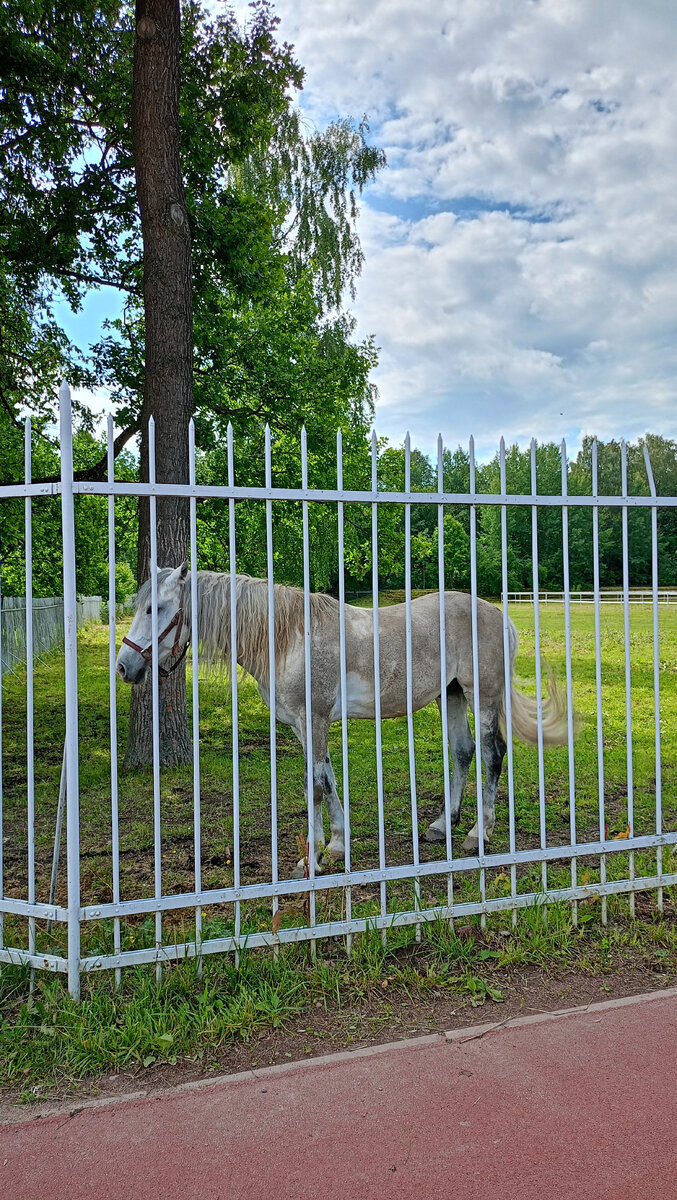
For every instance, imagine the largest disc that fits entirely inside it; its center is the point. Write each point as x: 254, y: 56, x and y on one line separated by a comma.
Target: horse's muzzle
x: 128, y: 675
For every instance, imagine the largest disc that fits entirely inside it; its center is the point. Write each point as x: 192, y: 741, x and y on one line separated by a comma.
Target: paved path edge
x: 11, y: 1114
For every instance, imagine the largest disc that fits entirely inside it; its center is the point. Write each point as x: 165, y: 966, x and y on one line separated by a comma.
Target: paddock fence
x: 590, y: 821
x: 606, y: 596
x: 45, y: 614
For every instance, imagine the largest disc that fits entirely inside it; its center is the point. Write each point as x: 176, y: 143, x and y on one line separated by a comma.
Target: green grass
x: 188, y: 1011
x: 135, y: 790
x: 47, y: 1040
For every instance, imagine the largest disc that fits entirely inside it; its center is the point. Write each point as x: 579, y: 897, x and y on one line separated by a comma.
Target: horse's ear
x: 178, y: 575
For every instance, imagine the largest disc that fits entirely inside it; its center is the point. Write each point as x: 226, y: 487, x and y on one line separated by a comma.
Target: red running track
x: 573, y: 1106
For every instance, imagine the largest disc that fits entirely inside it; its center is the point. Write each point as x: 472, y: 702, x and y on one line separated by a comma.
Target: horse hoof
x: 471, y: 845
x: 336, y: 853
x: 432, y: 834
x: 301, y: 871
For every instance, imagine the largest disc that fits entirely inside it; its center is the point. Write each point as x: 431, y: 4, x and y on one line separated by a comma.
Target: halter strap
x: 177, y: 655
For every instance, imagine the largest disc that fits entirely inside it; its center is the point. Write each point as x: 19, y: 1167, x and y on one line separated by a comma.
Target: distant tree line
x: 424, y: 546
x: 213, y: 534
x: 250, y: 518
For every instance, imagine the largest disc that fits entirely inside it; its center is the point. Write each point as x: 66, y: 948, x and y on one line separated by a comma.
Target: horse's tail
x: 524, y: 709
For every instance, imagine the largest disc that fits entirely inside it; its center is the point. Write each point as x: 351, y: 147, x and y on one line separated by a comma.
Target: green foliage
x: 519, y: 539
x: 91, y: 521
x: 272, y: 210
x: 125, y: 582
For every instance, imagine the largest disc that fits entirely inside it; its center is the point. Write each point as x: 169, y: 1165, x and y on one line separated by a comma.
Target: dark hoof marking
x: 434, y: 835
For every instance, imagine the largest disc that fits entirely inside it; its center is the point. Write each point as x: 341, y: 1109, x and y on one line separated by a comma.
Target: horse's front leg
x: 324, y: 788
x: 318, y: 848
x: 493, y: 752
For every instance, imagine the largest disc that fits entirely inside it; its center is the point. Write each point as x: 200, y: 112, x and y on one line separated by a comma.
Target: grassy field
x: 265, y: 992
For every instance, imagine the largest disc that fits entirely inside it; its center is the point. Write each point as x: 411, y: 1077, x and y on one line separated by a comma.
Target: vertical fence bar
x: 155, y: 701
x: 232, y: 564
x: 409, y: 680
x: 272, y: 702
x: 537, y: 663
x: 2, y: 797
x: 569, y: 678
x: 30, y: 707
x: 476, y: 682
x: 507, y: 675
x: 112, y: 705
x: 598, y: 675
x: 444, y: 677
x: 377, y: 676
x: 195, y: 666
x: 628, y: 676
x: 70, y: 617
x: 656, y: 671
x: 344, y: 680
x: 307, y: 632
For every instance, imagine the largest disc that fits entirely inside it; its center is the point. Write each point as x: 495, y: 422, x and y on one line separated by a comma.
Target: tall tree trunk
x: 168, y: 304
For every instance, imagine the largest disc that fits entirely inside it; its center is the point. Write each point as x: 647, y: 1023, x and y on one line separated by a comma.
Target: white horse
x: 174, y: 618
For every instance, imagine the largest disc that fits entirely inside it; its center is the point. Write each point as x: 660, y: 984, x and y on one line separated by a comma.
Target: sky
x: 521, y: 245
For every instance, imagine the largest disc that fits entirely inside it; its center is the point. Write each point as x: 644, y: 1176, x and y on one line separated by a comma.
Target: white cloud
x: 522, y: 245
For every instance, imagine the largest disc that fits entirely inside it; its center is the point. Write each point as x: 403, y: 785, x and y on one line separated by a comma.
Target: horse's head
x: 137, y: 648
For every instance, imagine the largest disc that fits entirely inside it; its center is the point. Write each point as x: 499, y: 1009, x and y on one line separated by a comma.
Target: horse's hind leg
x: 461, y: 749
x: 493, y: 752
x: 337, y: 847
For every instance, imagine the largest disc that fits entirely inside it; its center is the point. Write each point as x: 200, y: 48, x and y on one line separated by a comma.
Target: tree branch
x: 97, y: 472
x: 10, y: 411
x: 85, y: 277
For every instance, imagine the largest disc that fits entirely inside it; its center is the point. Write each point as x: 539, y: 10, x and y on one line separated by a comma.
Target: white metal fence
x: 46, y: 614
x: 402, y: 883
x: 605, y: 596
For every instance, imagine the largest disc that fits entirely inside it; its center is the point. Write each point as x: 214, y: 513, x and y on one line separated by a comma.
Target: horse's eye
x: 148, y: 611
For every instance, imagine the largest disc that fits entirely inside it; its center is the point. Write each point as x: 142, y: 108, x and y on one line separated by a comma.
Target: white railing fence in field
x: 47, y: 625
x: 399, y: 887
x: 605, y: 596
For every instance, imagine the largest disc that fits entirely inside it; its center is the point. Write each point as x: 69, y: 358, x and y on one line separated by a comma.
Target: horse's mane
x: 251, y: 606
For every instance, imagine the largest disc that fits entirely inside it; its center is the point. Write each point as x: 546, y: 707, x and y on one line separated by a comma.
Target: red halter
x: 177, y: 655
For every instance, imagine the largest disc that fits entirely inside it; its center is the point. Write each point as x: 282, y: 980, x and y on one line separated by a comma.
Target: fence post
x: 70, y: 622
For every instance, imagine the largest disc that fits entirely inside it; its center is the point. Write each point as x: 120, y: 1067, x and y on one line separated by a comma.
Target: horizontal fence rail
x: 569, y: 827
